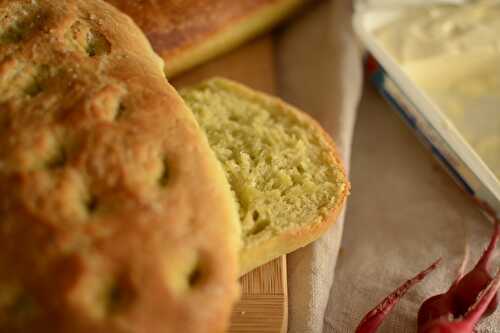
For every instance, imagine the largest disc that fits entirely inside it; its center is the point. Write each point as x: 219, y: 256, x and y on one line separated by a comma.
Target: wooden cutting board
x: 264, y: 303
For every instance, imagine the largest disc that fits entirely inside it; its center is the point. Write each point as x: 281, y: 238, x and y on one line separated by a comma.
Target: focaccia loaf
x: 186, y: 33
x: 115, y: 215
x: 282, y: 167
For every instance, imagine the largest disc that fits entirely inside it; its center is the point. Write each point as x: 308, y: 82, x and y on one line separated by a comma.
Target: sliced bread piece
x: 188, y: 32
x: 283, y: 169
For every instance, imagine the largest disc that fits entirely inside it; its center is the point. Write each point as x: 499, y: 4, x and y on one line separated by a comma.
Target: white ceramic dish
x: 423, y: 115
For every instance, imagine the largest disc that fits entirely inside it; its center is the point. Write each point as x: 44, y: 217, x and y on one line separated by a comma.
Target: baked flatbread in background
x: 186, y: 33
x: 115, y: 216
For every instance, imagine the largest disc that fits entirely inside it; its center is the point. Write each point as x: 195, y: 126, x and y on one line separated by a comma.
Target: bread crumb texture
x: 114, y: 213
x: 279, y: 163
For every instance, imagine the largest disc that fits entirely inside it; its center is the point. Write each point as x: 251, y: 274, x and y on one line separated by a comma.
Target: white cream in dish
x: 440, y: 30
x: 453, y: 54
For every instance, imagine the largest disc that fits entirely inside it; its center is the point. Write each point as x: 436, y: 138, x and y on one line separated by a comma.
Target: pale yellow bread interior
x: 282, y: 167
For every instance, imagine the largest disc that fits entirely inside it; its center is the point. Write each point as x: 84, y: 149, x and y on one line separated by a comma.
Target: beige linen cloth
x: 404, y: 211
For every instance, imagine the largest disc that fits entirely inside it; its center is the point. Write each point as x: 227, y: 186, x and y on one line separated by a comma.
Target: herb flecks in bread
x: 283, y: 169
x: 115, y: 215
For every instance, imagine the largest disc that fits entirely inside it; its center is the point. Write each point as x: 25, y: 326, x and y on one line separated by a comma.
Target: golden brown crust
x: 177, y: 24
x: 114, y: 214
x: 185, y: 29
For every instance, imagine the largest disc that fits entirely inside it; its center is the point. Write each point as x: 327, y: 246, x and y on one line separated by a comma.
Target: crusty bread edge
x: 228, y: 37
x: 136, y: 37
x: 221, y: 185
x: 294, y: 238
